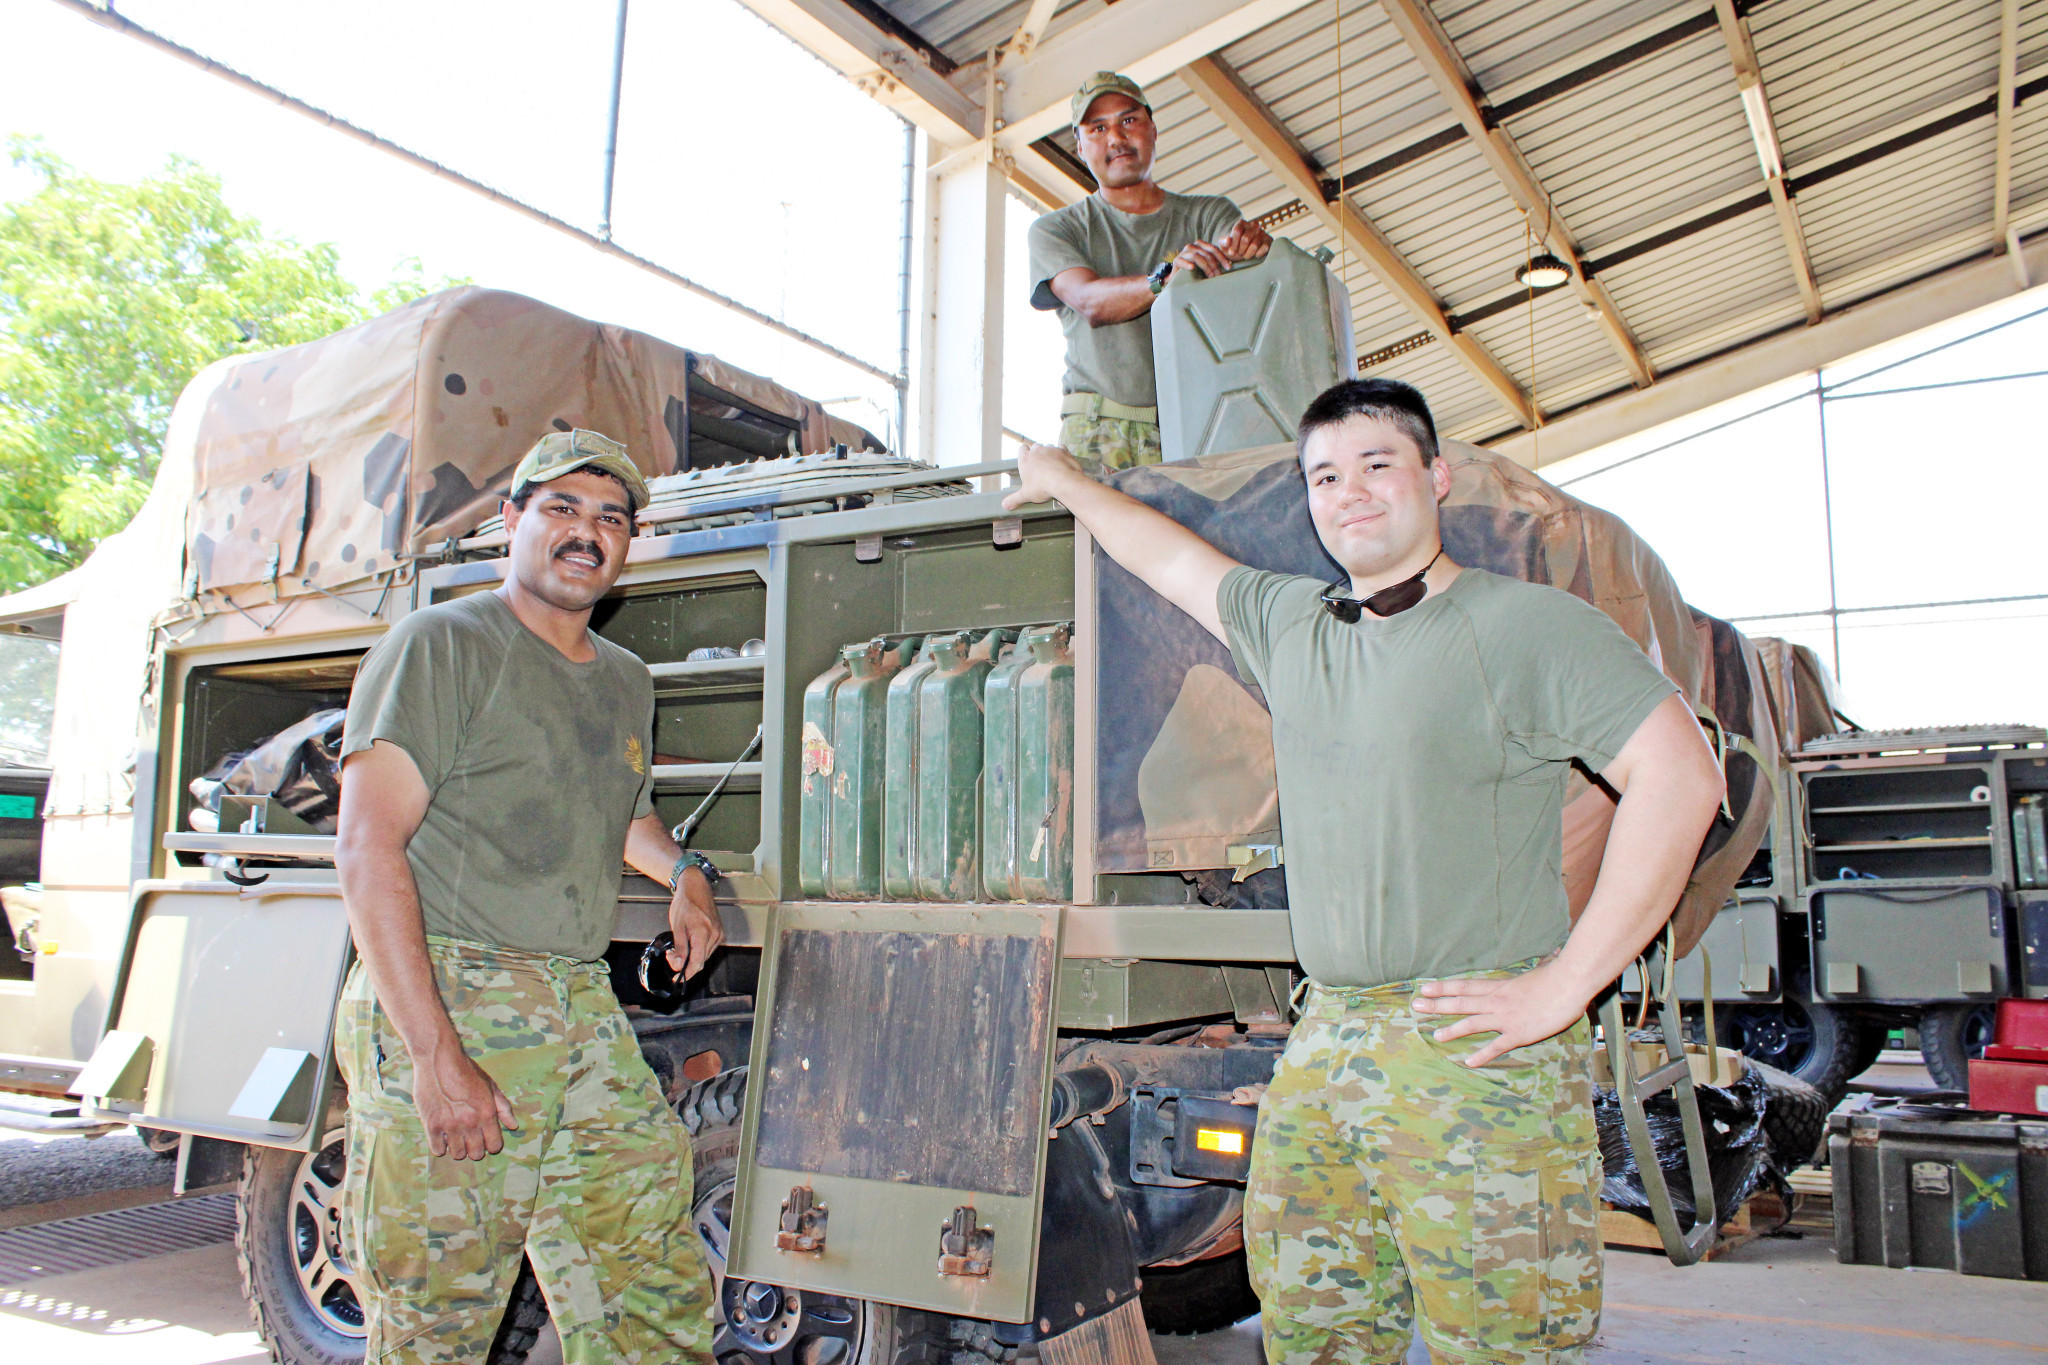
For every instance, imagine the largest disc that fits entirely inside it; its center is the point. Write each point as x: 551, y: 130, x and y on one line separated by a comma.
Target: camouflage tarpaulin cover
x: 1803, y: 700
x: 330, y: 461
x: 1185, y: 762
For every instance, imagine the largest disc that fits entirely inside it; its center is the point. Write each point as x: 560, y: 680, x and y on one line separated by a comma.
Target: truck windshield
x: 28, y: 698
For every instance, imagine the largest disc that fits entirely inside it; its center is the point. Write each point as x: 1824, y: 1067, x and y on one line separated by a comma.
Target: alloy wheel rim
x: 313, y: 1234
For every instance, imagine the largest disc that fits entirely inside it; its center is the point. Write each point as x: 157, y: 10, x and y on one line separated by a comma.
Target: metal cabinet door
x: 234, y: 990
x: 1909, y: 943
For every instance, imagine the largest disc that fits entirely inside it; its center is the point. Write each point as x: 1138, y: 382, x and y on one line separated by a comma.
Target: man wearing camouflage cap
x: 1100, y: 263
x: 495, y: 768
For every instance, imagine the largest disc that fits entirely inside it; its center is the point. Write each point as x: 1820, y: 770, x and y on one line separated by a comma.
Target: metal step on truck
x: 1003, y: 861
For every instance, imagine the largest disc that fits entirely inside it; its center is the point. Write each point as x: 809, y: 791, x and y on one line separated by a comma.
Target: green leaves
x: 111, y: 298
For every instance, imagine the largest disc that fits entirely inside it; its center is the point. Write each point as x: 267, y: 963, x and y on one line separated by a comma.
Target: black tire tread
x: 1795, y: 1118
x: 714, y: 1103
x: 526, y: 1313
x: 1941, y: 1044
x: 1202, y: 1296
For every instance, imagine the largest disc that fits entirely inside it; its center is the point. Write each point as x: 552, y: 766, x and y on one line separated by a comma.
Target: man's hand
x: 461, y: 1107
x: 1041, y: 470
x: 1521, y: 1009
x: 1245, y: 242
x: 693, y: 921
x: 1206, y: 259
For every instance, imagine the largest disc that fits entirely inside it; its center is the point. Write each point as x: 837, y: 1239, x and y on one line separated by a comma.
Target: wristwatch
x: 692, y: 858
x: 1157, y: 279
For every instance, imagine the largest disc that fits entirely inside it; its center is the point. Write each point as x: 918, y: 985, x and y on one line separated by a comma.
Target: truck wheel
x: 1795, y: 1117
x: 764, y: 1324
x: 301, y: 1292
x: 1950, y: 1036
x: 1202, y: 1296
x: 1816, y: 1043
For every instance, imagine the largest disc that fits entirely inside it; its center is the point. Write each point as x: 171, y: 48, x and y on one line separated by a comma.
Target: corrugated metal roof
x: 1629, y: 115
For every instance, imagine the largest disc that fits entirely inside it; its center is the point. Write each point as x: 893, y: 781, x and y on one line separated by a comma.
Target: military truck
x: 1001, y: 850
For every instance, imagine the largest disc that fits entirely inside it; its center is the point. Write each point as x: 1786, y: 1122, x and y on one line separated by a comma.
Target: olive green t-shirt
x: 1116, y: 361
x: 534, y: 765
x: 1422, y: 762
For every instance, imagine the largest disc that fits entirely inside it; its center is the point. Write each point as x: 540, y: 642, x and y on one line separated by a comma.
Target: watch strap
x: 692, y: 858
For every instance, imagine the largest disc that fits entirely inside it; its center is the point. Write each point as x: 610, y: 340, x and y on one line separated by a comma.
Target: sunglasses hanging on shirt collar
x: 1391, y: 600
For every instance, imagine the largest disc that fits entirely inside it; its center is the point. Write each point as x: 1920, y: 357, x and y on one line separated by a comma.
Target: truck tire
x: 1201, y: 1296
x: 764, y: 1324
x: 1950, y: 1036
x: 1816, y: 1043
x: 301, y: 1292
x: 1795, y: 1117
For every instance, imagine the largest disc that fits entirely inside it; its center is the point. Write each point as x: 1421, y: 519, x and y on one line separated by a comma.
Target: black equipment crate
x: 1941, y: 1189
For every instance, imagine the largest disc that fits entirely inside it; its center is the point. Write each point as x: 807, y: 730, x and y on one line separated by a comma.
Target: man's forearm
x: 390, y: 937
x: 1107, y: 301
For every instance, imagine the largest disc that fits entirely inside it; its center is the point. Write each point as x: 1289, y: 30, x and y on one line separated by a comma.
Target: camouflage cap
x: 565, y: 452
x: 1105, y: 83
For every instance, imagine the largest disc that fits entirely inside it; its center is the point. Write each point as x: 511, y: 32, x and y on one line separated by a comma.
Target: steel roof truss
x: 1763, y: 131
x: 2002, y: 235
x: 1239, y: 110
x: 1439, y: 59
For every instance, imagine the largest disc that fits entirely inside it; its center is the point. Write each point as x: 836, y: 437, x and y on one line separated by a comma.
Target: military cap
x: 565, y: 452
x: 1105, y: 83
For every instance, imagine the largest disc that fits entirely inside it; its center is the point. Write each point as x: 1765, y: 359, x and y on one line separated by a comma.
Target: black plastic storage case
x: 1941, y: 1189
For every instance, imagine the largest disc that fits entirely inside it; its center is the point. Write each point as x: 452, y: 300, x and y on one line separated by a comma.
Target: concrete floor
x: 1771, y: 1302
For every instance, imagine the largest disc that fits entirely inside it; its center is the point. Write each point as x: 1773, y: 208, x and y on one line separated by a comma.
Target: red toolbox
x: 2012, y: 1077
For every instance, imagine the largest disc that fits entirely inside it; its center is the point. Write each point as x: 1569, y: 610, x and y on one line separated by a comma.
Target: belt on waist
x: 1095, y: 405
x: 472, y: 953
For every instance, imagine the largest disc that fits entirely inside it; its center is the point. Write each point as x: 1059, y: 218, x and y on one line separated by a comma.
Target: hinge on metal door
x: 966, y: 1247
x: 803, y: 1222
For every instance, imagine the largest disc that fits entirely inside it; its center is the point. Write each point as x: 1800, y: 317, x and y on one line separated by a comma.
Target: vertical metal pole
x: 611, y: 137
x: 902, y: 442
x: 1827, y: 507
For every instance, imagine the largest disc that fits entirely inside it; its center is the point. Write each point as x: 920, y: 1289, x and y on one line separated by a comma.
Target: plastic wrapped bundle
x: 298, y: 767
x: 1738, y: 1153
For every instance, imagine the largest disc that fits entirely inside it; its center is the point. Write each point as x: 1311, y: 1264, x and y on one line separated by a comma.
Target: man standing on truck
x: 1101, y: 263
x: 1425, y: 718
x: 495, y: 768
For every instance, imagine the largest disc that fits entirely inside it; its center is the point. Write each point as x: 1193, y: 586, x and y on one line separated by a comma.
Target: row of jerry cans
x: 941, y: 768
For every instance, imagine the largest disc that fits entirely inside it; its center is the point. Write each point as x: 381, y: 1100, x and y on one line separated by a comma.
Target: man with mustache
x: 1426, y: 1152
x: 1101, y: 263
x: 495, y: 768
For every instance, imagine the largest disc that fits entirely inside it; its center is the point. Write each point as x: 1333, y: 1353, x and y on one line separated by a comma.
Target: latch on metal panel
x: 1007, y: 533
x: 803, y: 1222
x: 966, y: 1247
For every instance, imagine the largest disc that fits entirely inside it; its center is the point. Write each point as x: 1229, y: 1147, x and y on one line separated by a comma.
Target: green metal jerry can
x: 1028, y: 769
x: 839, y: 841
x: 931, y: 835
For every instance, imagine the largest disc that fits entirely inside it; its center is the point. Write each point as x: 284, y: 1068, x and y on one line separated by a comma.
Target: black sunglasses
x: 1391, y: 600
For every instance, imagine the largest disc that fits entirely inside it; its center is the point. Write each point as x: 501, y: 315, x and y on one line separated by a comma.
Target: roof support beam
x: 1756, y: 107
x: 2008, y: 81
x: 1144, y: 39
x: 1432, y: 48
x: 1240, y: 111
x: 900, y: 77
x: 1802, y: 350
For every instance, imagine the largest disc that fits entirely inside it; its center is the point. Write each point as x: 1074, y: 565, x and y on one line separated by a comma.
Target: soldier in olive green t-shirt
x: 1410, y: 1171
x: 1101, y: 262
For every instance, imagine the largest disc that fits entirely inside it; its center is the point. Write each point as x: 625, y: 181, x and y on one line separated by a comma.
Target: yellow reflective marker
x: 1220, y: 1140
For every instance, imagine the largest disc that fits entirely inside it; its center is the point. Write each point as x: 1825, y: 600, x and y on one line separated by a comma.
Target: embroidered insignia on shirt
x: 635, y: 758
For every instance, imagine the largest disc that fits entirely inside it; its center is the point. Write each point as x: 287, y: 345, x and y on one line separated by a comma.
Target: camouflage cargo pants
x: 1389, y: 1180
x: 593, y: 1187
x: 1110, y: 442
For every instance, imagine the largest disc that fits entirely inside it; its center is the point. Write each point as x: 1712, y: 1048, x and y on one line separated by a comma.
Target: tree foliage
x: 111, y: 298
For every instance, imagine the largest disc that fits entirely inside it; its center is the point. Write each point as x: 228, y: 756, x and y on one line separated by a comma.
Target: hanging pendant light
x: 1543, y: 271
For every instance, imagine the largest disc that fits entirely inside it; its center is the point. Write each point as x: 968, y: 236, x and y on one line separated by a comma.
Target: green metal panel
x: 945, y: 860
x: 1241, y: 355
x: 900, y: 752
x: 890, y: 1130
x: 1118, y: 993
x: 1045, y: 766
x: 853, y: 862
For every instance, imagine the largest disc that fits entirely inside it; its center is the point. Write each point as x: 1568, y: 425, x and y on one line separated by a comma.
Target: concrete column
x: 960, y: 405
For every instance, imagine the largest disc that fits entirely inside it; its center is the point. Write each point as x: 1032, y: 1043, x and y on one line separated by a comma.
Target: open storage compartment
x: 1894, y: 824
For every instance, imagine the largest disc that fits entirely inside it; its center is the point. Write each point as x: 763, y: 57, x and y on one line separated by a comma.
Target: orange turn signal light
x: 1224, y: 1140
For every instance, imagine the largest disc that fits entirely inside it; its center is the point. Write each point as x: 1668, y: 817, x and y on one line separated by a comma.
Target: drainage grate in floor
x: 110, y: 1238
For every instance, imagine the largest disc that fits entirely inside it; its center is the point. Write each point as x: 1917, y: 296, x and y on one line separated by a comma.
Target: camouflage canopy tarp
x: 1803, y: 699
x: 329, y: 462
x: 1185, y: 764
